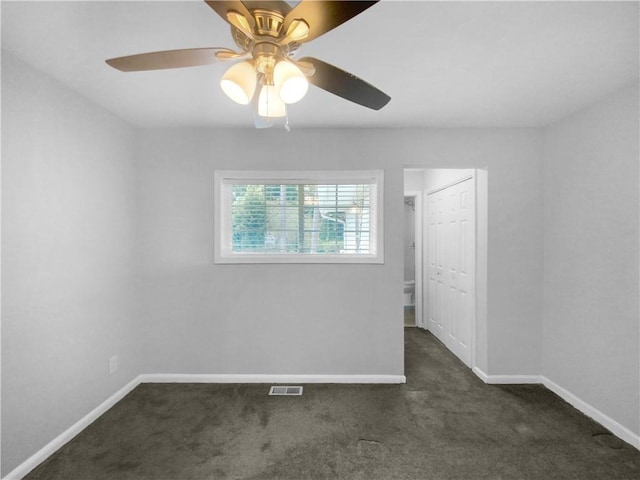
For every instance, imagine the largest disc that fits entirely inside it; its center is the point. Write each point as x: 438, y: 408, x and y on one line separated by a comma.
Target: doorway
x: 462, y: 327
x: 413, y: 259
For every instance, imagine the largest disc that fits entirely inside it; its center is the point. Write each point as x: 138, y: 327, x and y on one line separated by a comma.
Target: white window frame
x: 223, y: 179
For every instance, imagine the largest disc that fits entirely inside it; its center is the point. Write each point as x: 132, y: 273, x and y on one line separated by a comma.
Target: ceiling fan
x: 266, y: 75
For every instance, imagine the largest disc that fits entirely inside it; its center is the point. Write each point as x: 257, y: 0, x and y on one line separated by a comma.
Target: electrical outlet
x: 113, y: 364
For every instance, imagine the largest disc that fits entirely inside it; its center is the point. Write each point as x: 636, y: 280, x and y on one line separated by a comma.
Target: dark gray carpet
x: 443, y: 424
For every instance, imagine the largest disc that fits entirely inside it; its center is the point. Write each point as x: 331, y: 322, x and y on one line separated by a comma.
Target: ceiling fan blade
x: 345, y: 84
x: 324, y: 16
x: 190, y: 57
x: 241, y: 23
x: 223, y: 7
x: 224, y: 54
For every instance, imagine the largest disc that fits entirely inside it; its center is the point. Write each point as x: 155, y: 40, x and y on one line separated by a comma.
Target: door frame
x: 464, y: 176
x: 417, y: 196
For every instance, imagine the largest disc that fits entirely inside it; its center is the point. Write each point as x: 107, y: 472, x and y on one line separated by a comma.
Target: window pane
x: 301, y: 218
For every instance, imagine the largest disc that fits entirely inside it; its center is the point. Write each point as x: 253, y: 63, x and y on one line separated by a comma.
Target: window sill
x: 257, y: 258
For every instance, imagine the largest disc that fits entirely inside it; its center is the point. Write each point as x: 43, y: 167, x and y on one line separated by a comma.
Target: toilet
x: 409, y: 292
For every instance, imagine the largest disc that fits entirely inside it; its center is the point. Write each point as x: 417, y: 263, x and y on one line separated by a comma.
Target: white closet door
x: 450, y: 266
x: 436, y: 265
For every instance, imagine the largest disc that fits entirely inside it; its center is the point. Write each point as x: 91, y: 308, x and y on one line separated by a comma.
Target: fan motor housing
x: 269, y: 24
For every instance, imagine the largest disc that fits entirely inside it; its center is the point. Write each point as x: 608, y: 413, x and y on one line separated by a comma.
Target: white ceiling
x: 447, y: 64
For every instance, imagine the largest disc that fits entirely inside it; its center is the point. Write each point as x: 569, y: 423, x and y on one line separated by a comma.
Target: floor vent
x: 285, y: 390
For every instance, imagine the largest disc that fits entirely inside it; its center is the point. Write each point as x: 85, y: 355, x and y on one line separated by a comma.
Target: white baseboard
x: 266, y: 378
x: 506, y: 379
x: 45, y: 452
x: 609, y: 423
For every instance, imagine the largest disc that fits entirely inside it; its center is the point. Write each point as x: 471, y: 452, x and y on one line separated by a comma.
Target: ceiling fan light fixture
x: 269, y: 103
x: 291, y: 83
x: 239, y: 82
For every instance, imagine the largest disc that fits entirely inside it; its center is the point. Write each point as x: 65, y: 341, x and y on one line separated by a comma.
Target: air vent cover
x: 285, y: 390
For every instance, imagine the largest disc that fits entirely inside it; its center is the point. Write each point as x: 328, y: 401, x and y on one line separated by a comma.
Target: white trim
x: 474, y: 278
x: 507, y: 379
x: 465, y: 176
x: 480, y: 374
x: 282, y: 258
x: 50, y: 448
x: 222, y: 252
x: 298, y: 176
x: 268, y: 378
x: 474, y: 254
x: 480, y: 265
x: 590, y: 411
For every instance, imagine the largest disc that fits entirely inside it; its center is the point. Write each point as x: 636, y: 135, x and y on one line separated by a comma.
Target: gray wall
x: 261, y: 319
x: 591, y: 212
x: 413, y: 180
x: 334, y: 319
x: 67, y: 258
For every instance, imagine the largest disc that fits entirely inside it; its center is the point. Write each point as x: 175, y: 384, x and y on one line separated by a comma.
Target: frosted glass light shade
x: 291, y: 83
x: 269, y: 103
x: 239, y: 82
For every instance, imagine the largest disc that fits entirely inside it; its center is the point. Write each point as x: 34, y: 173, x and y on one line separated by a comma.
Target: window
x: 299, y: 217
